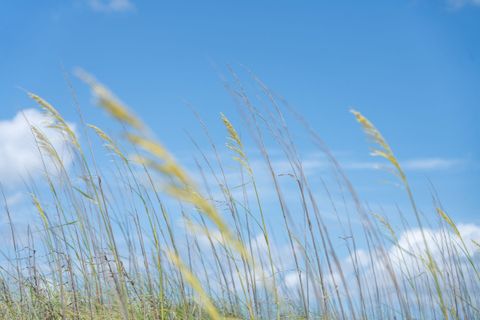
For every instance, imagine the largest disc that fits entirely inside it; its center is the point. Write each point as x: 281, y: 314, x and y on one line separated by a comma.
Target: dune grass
x: 147, y: 238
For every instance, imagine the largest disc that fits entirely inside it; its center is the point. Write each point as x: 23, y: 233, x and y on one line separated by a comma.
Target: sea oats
x: 108, y: 101
x: 58, y: 121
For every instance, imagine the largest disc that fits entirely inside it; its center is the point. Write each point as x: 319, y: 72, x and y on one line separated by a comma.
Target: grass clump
x: 146, y: 238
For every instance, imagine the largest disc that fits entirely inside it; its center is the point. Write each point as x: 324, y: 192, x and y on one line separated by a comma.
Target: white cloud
x: 19, y: 155
x: 292, y: 280
x: 406, y: 260
x: 439, y: 242
x: 111, y: 5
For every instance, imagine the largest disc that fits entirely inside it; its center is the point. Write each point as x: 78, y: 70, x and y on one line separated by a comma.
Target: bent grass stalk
x: 182, y: 186
x: 386, y: 152
x: 236, y: 145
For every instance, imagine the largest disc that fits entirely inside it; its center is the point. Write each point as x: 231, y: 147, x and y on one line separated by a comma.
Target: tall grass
x: 240, y: 233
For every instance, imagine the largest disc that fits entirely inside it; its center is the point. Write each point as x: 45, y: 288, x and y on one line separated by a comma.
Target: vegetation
x: 145, y: 238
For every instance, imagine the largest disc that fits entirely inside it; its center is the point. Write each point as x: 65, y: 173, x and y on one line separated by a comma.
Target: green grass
x: 146, y: 238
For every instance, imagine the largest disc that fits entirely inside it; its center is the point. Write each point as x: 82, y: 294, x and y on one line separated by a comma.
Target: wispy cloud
x: 416, y: 164
x: 362, y: 165
x: 14, y: 199
x: 463, y: 3
x: 431, y: 164
x: 111, y: 5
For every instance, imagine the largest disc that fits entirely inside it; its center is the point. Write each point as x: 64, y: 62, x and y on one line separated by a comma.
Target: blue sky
x: 412, y: 67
